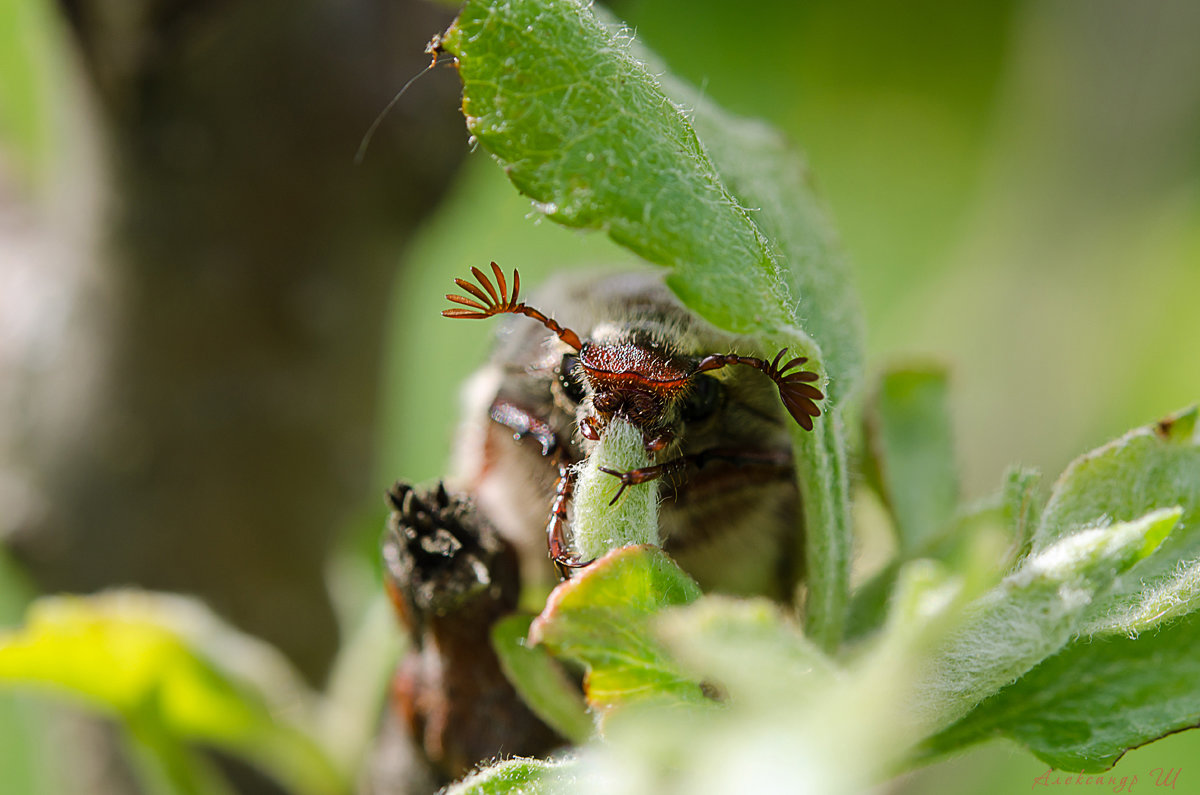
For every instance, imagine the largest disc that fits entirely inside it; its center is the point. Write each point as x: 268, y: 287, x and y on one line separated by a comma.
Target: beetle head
x: 628, y: 374
x: 637, y: 381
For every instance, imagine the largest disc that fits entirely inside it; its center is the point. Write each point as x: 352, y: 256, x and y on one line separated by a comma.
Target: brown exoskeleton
x: 712, y: 428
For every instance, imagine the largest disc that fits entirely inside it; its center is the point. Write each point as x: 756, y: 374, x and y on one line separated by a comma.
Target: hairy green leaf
x: 1102, y: 693
x: 601, y: 618
x: 1156, y: 466
x: 1134, y: 605
x: 1032, y: 614
x: 518, y: 777
x: 1084, y: 707
x: 1150, y: 467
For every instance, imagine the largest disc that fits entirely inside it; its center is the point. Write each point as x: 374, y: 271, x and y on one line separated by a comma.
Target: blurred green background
x: 1017, y: 183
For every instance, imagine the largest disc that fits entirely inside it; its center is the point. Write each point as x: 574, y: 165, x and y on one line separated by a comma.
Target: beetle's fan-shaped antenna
x: 489, y: 301
x: 796, y: 391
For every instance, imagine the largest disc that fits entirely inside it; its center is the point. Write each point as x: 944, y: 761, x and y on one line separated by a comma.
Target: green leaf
x: 1084, y: 707
x: 601, y: 618
x: 1031, y: 614
x: 1150, y: 467
x: 825, y: 493
x: 540, y: 681
x: 1101, y: 695
x: 518, y: 777
x: 910, y: 453
x: 1129, y: 608
x: 172, y: 673
x: 569, y: 108
x: 1021, y: 509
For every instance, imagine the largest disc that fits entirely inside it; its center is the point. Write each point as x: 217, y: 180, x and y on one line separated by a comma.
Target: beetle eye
x: 703, y: 398
x: 570, y: 379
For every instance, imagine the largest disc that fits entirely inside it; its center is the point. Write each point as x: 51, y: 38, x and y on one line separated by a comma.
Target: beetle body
x: 729, y: 505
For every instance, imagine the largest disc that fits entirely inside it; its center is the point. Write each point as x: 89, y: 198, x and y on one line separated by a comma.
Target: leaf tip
x: 1177, y: 427
x: 1159, y: 525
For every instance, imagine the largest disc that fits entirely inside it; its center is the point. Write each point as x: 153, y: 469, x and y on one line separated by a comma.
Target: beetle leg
x: 556, y: 529
x: 523, y: 424
x: 734, y: 456
x: 589, y: 428
x: 645, y: 474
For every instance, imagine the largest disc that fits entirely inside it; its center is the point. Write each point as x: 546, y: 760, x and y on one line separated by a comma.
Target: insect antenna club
x: 710, y: 426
